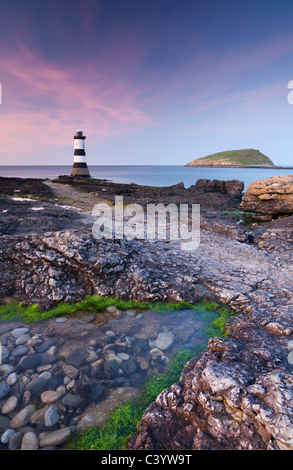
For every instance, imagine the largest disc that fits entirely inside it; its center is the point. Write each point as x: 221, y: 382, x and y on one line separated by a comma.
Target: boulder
x: 272, y: 196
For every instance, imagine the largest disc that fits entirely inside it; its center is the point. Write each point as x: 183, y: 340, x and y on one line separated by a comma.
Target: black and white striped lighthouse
x: 79, y: 166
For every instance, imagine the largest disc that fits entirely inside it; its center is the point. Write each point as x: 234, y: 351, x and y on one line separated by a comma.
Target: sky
x: 158, y: 82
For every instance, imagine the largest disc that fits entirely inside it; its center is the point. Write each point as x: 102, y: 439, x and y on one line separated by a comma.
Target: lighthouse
x: 79, y: 166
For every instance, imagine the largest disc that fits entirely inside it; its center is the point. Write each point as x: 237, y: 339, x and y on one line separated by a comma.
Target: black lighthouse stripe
x: 79, y: 165
x: 79, y: 152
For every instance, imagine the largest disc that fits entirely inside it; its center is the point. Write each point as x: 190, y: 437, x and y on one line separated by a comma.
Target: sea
x: 150, y: 175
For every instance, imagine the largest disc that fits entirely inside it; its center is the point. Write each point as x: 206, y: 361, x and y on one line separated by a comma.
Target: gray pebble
x: 4, y: 390
x: 19, y: 332
x: 51, y: 416
x: 71, y: 399
x: 7, y: 435
x: 20, y: 351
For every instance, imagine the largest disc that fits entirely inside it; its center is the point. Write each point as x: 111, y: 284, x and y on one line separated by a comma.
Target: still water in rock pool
x: 64, y: 375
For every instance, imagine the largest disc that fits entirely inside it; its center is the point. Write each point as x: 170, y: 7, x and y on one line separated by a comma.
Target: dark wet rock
x: 72, y: 399
x: 4, y: 390
x: 46, y: 345
x: 111, y: 368
x: 77, y: 357
x: 91, y: 390
x: 28, y: 362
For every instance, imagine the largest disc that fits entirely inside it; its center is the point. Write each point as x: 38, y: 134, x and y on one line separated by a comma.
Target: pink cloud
x: 44, y: 102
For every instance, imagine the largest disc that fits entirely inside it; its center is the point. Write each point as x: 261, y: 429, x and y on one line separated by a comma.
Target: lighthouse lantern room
x: 79, y: 166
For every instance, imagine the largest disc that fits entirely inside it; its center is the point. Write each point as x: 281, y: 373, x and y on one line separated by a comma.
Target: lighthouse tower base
x: 80, y: 169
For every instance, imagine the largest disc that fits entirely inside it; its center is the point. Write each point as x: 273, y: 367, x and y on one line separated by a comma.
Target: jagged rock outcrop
x: 238, y: 394
x: 272, y: 195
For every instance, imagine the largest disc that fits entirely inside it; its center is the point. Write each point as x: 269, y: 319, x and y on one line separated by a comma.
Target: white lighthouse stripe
x: 79, y: 144
x: 79, y: 159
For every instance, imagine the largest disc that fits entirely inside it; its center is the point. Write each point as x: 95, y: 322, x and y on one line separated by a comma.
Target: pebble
x: 164, y: 340
x: 30, y: 441
x: 77, y: 357
x: 54, y: 438
x: 15, y: 441
x: 123, y: 356
x: 20, y: 351
x: 7, y: 435
x: 4, y: 390
x: 72, y: 399
x: 19, y: 332
x: 70, y: 371
x: 131, y: 313
x: 22, y: 417
x: 112, y: 309
x: 49, y: 396
x: 5, y: 369
x: 45, y: 345
x: 61, y: 320
x: 51, y: 417
x: 12, y: 378
x: 22, y: 339
x: 9, y: 405
x: 37, y: 385
x: 29, y: 362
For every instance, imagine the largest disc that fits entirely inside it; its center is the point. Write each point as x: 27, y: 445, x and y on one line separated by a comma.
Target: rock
x: 111, y: 368
x: 22, y: 339
x: 272, y: 195
x: 12, y: 378
x: 4, y: 423
x: 131, y: 313
x: 61, y: 319
x: 30, y: 441
x: 51, y: 416
x: 5, y: 369
x: 54, y: 438
x: 9, y: 405
x: 112, y: 309
x: 164, y: 340
x: 7, y: 435
x: 70, y: 371
x: 156, y: 352
x: 37, y: 385
x: 26, y: 397
x: 29, y: 362
x: 72, y: 399
x: 49, y: 396
x: 19, y: 332
x: 92, y: 390
x: 4, y: 390
x: 123, y: 356
x: 15, y: 441
x: 22, y: 417
x: 77, y: 357
x: 20, y: 351
x: 46, y: 345
x: 88, y: 318
x: 96, y: 414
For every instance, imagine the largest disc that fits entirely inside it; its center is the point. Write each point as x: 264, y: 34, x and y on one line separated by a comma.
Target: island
x: 234, y: 158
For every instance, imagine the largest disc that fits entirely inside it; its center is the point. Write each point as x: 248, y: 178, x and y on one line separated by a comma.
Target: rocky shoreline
x: 238, y: 393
